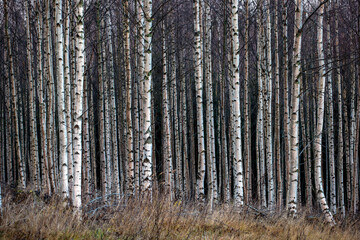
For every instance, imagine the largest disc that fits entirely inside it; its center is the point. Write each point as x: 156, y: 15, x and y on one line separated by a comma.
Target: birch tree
x: 320, y: 123
x: 294, y: 121
x: 63, y: 157
x: 33, y: 135
x: 78, y: 109
x: 236, y: 115
x: 147, y: 134
x: 167, y: 153
x: 210, y: 142
x: 199, y: 99
x: 15, y: 117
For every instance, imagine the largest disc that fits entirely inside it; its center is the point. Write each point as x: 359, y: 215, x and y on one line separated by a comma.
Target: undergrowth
x: 30, y: 216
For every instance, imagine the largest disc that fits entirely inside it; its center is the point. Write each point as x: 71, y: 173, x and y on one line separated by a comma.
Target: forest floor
x: 28, y: 216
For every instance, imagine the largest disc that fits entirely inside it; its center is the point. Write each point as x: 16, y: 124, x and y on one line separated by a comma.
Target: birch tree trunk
x: 141, y: 78
x: 78, y: 111
x: 286, y: 119
x: 63, y: 157
x: 167, y: 153
x: 147, y: 134
x: 199, y: 100
x: 9, y: 145
x: 184, y: 122
x: 340, y: 156
x: 210, y: 142
x: 106, y: 110
x: 320, y: 123
x: 113, y: 106
x: 351, y: 149
x: 357, y: 140
x: 14, y: 108
x: 269, y: 141
x: 49, y: 97
x: 86, y: 175
x: 247, y: 127
x: 235, y: 75
x: 175, y: 117
x: 260, y: 117
x: 328, y: 69
x: 294, y: 121
x: 102, y: 143
x: 45, y: 183
x: 279, y: 169
x: 33, y: 135
x: 67, y: 80
x: 129, y: 129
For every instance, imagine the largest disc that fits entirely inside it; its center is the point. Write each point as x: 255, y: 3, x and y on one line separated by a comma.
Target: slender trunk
x: 330, y: 122
x: 140, y: 68
x: 184, y: 122
x: 269, y: 141
x: 45, y: 184
x: 277, y: 123
x: 199, y: 100
x: 33, y: 124
x: 49, y: 97
x: 347, y: 151
x: 356, y: 164
x: 107, y: 119
x: 294, y: 121
x: 235, y: 75
x: 225, y: 183
x: 320, y: 123
x: 14, y: 99
x: 167, y: 153
x: 78, y: 108
x: 63, y: 157
x: 210, y: 128
x: 102, y: 144
x: 260, y: 117
x: 67, y: 79
x: 113, y: 106
x: 351, y: 140
x: 129, y: 129
x: 247, y: 126
x: 85, y: 144
x: 9, y: 145
x: 286, y: 119
x: 147, y: 160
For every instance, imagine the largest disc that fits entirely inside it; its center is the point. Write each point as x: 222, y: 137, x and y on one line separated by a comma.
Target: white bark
x: 67, y: 79
x: 210, y: 142
x: 33, y: 135
x: 235, y: 75
x: 328, y: 69
x: 294, y: 121
x: 320, y: 122
x: 113, y: 107
x: 167, y: 153
x: 129, y: 127
x: 147, y: 134
x: 260, y: 117
x: 80, y: 74
x: 199, y: 101
x: 269, y: 142
x: 45, y: 184
x: 140, y: 89
x: 63, y: 157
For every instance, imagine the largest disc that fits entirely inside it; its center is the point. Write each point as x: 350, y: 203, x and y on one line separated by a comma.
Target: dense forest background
x: 254, y: 103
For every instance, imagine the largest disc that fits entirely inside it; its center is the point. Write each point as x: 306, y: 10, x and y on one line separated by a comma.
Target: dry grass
x: 27, y: 216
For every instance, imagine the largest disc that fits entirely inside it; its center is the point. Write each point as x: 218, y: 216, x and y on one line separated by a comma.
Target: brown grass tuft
x: 29, y: 216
